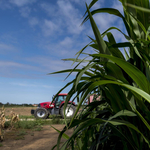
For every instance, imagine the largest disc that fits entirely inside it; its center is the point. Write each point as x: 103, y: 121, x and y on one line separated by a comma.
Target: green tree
x: 121, y: 120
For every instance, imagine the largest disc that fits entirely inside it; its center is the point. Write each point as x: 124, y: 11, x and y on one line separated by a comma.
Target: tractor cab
x: 59, y: 100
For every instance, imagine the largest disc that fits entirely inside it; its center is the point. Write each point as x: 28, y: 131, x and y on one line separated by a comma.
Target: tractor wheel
x: 69, y: 112
x: 41, y: 113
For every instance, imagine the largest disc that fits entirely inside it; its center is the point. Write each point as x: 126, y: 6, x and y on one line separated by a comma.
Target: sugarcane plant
x: 121, y: 119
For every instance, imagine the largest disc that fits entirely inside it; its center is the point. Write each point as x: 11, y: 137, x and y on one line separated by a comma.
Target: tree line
x: 15, y: 105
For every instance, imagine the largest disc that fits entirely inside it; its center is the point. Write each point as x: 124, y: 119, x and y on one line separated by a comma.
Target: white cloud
x: 25, y: 11
x: 71, y: 16
x: 19, y: 70
x: 104, y: 21
x: 33, y: 21
x: 65, y: 18
x: 117, y: 5
x: 79, y: 2
x: 65, y: 48
x: 111, y: 21
x: 119, y: 37
x: 4, y: 48
x: 50, y: 9
x: 98, y: 4
x: 49, y: 27
x: 10, y: 64
x: 21, y: 3
x: 4, y: 5
x: 67, y: 42
x: 33, y: 67
x: 25, y: 84
x: 49, y: 64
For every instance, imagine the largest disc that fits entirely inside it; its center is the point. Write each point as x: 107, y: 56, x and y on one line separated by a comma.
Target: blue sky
x: 34, y: 36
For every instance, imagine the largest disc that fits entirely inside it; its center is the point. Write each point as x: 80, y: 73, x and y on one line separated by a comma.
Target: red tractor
x: 46, y: 108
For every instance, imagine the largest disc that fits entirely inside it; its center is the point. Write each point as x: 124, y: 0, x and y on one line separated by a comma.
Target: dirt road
x: 37, y: 140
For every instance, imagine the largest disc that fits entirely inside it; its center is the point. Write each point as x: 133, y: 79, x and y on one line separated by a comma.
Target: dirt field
x: 33, y: 140
x: 25, y: 111
x: 37, y: 140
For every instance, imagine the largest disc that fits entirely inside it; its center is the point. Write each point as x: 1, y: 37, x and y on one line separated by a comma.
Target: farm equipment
x: 56, y: 107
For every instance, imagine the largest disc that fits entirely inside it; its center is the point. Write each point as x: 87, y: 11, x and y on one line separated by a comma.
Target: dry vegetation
x: 2, y: 122
x: 14, y: 117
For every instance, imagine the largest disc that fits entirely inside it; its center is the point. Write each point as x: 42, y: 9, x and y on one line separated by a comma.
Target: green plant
x: 1, y: 144
x: 55, y: 116
x: 7, y: 124
x: 26, y: 117
x: 24, y: 125
x: 34, y: 124
x: 121, y: 120
x: 27, y: 124
x: 21, y: 132
x: 38, y: 128
x: 56, y: 119
x: 32, y: 134
x: 19, y: 138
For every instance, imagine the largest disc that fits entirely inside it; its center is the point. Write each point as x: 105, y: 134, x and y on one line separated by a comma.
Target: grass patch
x: 37, y: 123
x: 57, y: 119
x: 21, y: 128
x: 26, y: 117
x: 20, y: 135
x: 32, y: 133
x: 54, y: 116
x: 21, y: 132
x: 23, y: 117
x: 19, y: 138
x: 1, y: 144
x: 38, y: 129
x: 28, y: 124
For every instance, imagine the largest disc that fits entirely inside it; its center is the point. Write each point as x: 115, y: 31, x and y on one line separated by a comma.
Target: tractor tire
x: 41, y: 113
x: 69, y: 113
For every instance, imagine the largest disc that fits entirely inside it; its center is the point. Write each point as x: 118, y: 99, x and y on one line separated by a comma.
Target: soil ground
x: 24, y: 111
x: 33, y: 140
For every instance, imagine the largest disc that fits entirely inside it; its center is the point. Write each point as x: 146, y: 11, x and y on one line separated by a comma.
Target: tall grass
x: 121, y: 120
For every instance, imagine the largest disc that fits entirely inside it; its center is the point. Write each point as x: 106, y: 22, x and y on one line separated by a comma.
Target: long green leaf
x: 131, y: 70
x: 65, y: 136
x: 138, y: 7
x: 101, y: 44
x: 90, y: 5
x: 110, y: 11
x: 123, y: 113
x: 90, y: 122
